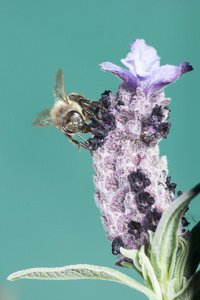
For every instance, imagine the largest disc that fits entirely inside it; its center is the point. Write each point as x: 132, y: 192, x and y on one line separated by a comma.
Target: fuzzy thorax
x: 61, y: 110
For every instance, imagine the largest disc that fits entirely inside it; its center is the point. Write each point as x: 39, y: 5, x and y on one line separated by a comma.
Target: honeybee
x: 70, y: 114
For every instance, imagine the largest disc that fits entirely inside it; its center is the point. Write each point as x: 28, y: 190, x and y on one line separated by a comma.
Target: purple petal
x: 143, y: 60
x: 123, y: 74
x: 166, y: 75
x: 144, y: 69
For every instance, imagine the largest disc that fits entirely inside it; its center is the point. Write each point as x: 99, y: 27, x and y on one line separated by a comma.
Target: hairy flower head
x: 132, y: 187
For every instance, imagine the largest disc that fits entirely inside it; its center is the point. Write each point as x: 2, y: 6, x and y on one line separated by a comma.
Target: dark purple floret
x: 156, y: 115
x: 184, y: 222
x: 101, y: 123
x: 145, y: 201
x: 98, y: 139
x: 94, y: 123
x: 162, y: 130
x: 179, y: 193
x: 120, y: 102
x: 135, y: 229
x: 171, y: 186
x: 94, y: 144
x: 108, y: 121
x: 99, y: 134
x: 138, y: 181
x: 187, y: 208
x: 167, y: 107
x: 153, y: 218
x: 116, y: 244
x: 105, y: 100
x: 169, y: 110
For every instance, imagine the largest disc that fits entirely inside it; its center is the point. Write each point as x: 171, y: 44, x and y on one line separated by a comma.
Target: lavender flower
x: 132, y: 187
x: 133, y: 190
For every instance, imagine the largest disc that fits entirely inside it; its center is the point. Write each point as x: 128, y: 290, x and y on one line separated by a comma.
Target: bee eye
x: 74, y: 122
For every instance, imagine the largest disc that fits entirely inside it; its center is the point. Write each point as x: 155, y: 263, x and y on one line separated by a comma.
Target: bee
x: 70, y: 114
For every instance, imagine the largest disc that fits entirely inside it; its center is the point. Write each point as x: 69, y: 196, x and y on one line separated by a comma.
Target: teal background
x: 48, y: 216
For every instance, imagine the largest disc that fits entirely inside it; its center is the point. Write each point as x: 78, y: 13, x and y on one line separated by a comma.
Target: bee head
x: 74, y: 122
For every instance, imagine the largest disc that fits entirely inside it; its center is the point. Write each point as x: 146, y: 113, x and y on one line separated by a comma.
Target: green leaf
x: 180, y: 264
x: 149, y: 273
x: 191, y: 290
x: 164, y: 245
x: 82, y: 272
x: 151, y: 237
x: 134, y: 256
x: 129, y: 265
x: 143, y: 264
x: 171, y: 288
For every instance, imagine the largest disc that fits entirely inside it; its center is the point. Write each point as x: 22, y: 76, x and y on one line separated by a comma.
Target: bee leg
x: 87, y: 130
x: 89, y: 103
x: 87, y: 112
x: 86, y: 142
x: 75, y: 142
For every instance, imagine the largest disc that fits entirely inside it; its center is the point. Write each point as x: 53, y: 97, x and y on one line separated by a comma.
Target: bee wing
x: 59, y: 88
x: 43, y: 118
